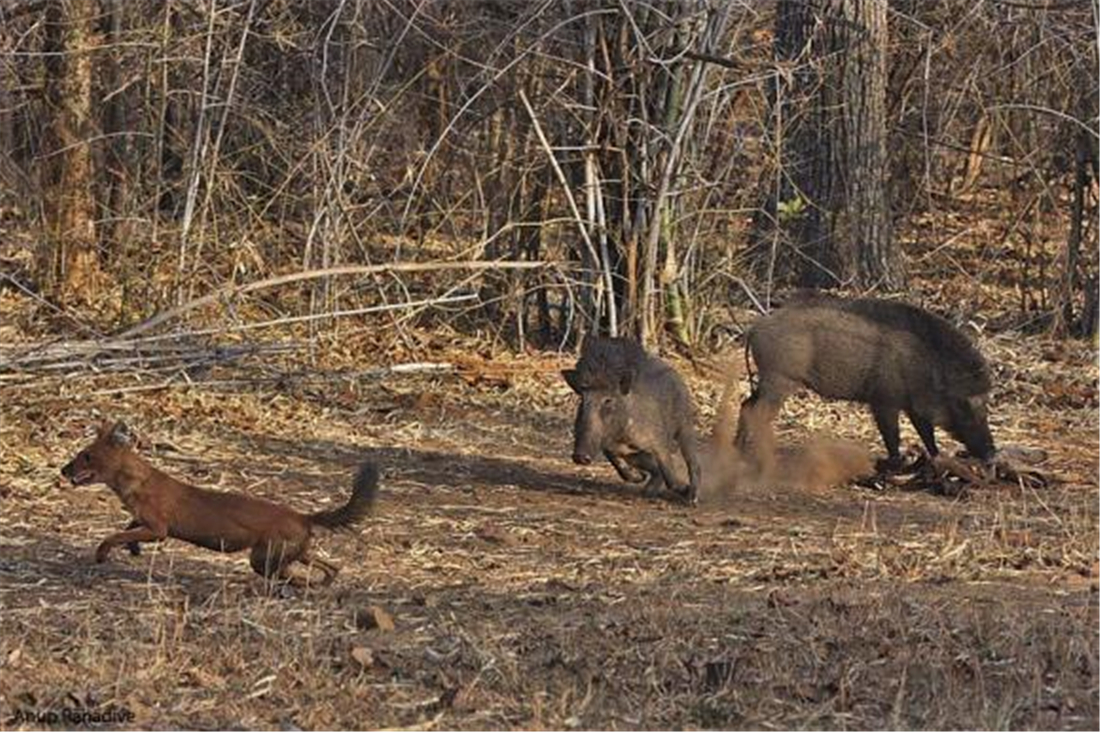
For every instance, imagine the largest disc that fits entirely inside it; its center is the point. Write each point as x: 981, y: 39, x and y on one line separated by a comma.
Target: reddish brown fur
x: 163, y: 506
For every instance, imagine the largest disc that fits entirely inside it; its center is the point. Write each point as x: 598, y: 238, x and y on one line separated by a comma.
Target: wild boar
x: 890, y: 355
x: 636, y: 411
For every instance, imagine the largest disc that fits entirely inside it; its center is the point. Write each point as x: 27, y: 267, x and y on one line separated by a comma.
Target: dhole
x: 226, y: 522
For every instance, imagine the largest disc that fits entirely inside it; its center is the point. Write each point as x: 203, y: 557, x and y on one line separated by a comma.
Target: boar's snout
x: 981, y: 445
x: 590, y: 429
x: 971, y: 425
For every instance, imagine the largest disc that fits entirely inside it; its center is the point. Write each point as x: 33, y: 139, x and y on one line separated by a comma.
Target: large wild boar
x: 636, y: 411
x: 892, y: 356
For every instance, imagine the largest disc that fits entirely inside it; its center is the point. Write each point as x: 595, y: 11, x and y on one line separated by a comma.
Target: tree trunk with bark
x: 830, y: 205
x: 115, y: 127
x: 68, y: 265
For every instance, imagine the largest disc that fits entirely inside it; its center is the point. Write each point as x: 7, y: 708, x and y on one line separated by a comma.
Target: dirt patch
x: 519, y: 590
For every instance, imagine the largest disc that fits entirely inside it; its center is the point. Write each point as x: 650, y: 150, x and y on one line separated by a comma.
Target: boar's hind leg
x: 688, y: 449
x: 927, y: 432
x: 625, y: 470
x: 886, y: 418
x: 755, y: 437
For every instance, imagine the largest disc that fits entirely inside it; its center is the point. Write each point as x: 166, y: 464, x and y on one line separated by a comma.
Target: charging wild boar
x: 636, y: 411
x: 892, y: 356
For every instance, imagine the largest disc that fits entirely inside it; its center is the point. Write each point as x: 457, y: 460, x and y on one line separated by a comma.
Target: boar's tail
x: 364, y: 490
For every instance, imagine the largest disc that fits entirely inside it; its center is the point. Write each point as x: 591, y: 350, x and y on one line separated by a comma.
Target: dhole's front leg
x: 140, y: 534
x: 133, y: 547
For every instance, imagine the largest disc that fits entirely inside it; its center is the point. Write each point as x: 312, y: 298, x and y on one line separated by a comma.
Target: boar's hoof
x: 581, y: 459
x: 987, y: 460
x: 653, y: 486
x: 690, y: 495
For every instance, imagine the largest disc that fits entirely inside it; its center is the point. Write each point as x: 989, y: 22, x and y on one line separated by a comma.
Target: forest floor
x: 525, y: 591
x: 528, y: 592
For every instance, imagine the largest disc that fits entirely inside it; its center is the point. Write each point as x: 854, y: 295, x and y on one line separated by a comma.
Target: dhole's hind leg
x: 271, y: 561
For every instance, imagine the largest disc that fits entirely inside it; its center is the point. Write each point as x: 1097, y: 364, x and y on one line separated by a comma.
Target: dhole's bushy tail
x: 359, y: 505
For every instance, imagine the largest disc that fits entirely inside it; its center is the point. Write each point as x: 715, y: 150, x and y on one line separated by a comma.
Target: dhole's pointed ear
x: 104, y: 429
x: 121, y: 435
x: 626, y: 381
x: 573, y: 379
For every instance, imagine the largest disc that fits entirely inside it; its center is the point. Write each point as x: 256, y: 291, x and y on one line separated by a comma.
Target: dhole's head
x: 100, y: 461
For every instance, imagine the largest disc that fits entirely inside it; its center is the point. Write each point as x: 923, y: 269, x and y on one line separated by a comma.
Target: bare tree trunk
x: 1065, y: 318
x: 117, y: 152
x: 833, y: 203
x: 68, y: 265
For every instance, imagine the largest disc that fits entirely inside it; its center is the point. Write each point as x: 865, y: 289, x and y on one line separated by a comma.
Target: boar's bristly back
x: 957, y: 354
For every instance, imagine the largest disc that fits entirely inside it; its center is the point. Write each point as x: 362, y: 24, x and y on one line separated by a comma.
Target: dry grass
x: 530, y: 593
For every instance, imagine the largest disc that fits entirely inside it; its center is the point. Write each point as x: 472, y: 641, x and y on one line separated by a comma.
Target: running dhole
x: 226, y: 522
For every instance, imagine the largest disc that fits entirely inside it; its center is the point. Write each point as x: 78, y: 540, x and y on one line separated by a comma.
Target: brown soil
x: 527, y: 592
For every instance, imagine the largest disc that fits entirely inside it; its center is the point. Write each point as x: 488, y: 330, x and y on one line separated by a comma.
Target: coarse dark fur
x: 635, y: 410
x: 163, y: 506
x: 890, y: 355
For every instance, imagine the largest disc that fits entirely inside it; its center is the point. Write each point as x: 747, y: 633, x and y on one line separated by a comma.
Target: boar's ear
x: 573, y: 379
x: 626, y: 381
x: 120, y: 435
